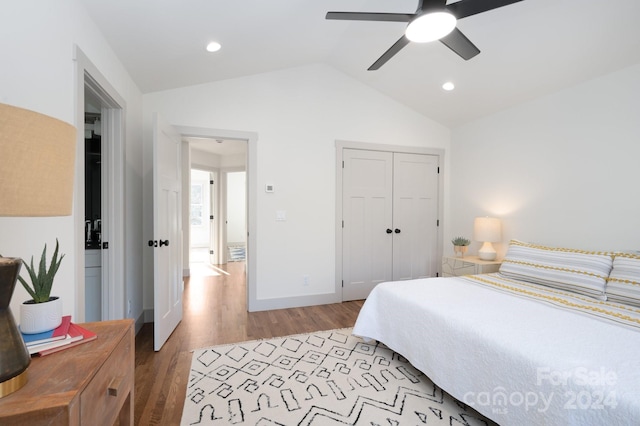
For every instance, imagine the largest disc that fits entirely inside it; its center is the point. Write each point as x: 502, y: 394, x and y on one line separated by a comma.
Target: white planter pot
x: 40, y: 317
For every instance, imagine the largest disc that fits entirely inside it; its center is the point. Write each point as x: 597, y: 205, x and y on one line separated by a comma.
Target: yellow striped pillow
x: 624, y: 281
x: 583, y: 272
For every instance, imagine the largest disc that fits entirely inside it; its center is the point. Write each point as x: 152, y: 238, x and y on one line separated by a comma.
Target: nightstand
x: 89, y: 384
x: 453, y: 266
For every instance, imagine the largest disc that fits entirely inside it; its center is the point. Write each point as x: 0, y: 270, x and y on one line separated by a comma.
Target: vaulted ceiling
x: 528, y: 48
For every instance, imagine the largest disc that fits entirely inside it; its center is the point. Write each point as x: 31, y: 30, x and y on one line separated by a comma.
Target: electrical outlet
x: 129, y: 307
x: 305, y: 280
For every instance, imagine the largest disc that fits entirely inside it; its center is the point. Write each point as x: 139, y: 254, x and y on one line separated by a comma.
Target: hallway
x: 215, y: 313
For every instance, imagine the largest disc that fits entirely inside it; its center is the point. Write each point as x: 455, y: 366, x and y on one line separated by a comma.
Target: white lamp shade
x: 486, y: 229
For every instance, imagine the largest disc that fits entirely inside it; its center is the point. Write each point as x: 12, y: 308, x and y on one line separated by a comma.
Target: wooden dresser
x: 90, y: 384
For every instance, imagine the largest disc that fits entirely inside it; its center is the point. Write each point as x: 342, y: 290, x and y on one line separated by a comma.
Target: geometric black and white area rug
x: 322, y: 378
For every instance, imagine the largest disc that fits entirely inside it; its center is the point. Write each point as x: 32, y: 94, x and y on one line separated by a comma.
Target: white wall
x: 561, y: 170
x: 37, y: 41
x: 298, y: 115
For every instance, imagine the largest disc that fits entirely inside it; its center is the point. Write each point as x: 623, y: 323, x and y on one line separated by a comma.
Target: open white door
x: 167, y: 231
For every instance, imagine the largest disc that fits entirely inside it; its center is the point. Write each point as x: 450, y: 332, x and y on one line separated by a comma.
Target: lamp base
x: 487, y: 252
x: 10, y: 386
x: 14, y: 356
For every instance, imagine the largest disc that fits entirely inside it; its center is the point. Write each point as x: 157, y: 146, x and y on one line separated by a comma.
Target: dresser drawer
x: 101, y: 400
x: 470, y: 265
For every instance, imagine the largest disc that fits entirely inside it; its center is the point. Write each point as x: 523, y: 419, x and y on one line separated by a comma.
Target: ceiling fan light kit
x: 430, y: 27
x: 433, y: 20
x: 213, y: 46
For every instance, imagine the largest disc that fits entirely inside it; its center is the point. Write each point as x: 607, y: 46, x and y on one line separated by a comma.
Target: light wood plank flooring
x: 215, y: 313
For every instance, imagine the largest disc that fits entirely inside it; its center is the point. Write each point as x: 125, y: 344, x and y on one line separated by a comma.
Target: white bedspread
x: 515, y: 360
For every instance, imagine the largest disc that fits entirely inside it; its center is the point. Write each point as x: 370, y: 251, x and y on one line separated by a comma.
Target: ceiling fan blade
x: 426, y: 5
x: 365, y: 16
x: 397, y: 46
x: 465, y: 8
x: 460, y: 44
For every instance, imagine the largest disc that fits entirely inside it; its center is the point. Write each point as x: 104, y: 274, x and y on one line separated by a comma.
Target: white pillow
x: 583, y: 272
x: 623, y: 284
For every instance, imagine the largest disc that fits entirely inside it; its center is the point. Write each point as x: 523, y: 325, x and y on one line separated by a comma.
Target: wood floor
x: 215, y: 313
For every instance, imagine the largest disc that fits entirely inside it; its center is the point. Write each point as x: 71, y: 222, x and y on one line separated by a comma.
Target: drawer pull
x: 114, y: 386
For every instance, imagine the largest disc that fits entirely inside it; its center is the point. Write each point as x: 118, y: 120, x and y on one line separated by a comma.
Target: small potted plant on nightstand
x: 43, y: 312
x: 460, y: 245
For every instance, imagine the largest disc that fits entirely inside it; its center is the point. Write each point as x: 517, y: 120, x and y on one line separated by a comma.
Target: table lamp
x: 37, y: 155
x: 487, y: 231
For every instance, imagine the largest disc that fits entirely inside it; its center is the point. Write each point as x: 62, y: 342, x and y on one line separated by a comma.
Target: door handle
x: 389, y: 231
x: 153, y: 243
x: 397, y: 231
x: 164, y: 243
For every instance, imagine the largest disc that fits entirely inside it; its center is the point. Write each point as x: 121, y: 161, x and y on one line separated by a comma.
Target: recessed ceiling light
x: 213, y: 46
x: 448, y: 86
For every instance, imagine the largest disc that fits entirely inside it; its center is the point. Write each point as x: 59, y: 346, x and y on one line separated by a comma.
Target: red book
x: 78, y: 335
x: 58, y: 333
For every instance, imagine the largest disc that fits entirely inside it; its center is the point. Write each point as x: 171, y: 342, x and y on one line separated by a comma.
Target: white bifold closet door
x: 390, y: 219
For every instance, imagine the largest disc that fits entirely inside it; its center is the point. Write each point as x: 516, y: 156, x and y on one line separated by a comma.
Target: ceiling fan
x: 433, y: 20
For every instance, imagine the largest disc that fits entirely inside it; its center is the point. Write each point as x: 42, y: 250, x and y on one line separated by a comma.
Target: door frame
x: 113, y: 113
x: 251, y: 139
x: 341, y: 145
x: 219, y: 211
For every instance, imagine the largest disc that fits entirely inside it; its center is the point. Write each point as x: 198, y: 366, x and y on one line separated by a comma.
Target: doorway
x: 99, y: 204
x: 202, y: 221
x: 250, y: 158
x: 94, y: 187
x: 218, y: 203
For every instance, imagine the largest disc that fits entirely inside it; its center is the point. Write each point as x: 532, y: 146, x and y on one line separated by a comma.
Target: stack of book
x: 65, y: 336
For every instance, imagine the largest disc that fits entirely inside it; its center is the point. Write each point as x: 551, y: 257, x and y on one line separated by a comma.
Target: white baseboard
x: 293, y: 302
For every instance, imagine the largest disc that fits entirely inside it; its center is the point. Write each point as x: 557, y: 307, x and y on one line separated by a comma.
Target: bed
x: 553, y: 338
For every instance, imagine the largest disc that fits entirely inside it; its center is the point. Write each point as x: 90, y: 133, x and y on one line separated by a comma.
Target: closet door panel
x: 415, y: 215
x: 367, y: 214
